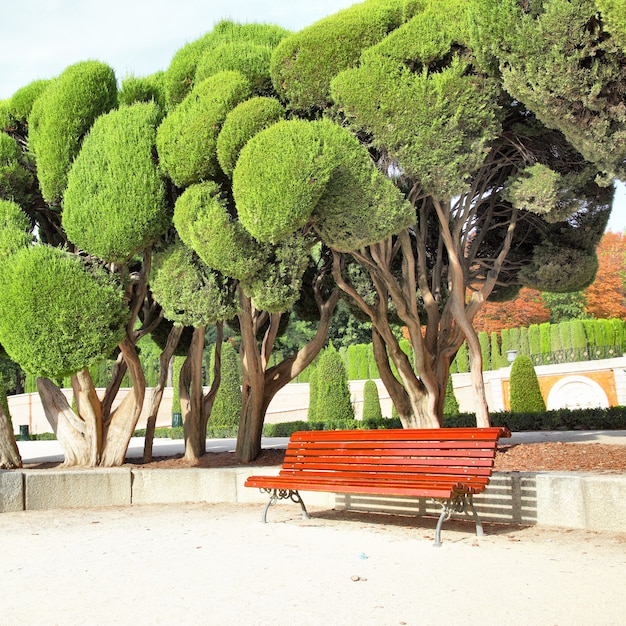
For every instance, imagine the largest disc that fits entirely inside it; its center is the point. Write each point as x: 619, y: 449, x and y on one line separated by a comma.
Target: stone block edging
x: 589, y: 501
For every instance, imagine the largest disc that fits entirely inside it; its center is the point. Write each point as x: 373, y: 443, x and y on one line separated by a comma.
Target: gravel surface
x: 218, y: 565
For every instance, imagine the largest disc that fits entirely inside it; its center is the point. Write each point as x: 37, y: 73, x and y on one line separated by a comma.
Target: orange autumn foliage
x: 606, y: 296
x: 526, y: 309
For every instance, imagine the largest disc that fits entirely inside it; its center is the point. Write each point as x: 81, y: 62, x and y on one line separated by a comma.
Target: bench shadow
x: 453, y: 529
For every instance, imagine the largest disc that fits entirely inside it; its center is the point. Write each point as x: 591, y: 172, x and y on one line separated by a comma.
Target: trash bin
x: 24, y: 433
x: 177, y: 420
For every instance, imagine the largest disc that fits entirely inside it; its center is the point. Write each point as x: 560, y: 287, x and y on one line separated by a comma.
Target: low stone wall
x: 569, y: 500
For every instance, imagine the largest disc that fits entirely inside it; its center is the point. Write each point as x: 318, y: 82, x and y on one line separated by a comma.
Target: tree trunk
x: 195, y: 424
x: 9, y: 453
x: 164, y: 364
x: 119, y: 428
x: 260, y: 383
x: 68, y: 427
x: 253, y: 386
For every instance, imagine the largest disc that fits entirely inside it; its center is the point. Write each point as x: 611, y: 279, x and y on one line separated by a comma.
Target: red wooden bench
x: 448, y: 465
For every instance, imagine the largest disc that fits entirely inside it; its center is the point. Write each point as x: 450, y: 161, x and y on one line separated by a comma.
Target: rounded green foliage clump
x: 7, y: 121
x: 559, y: 269
x: 248, y: 58
x: 190, y: 293
x: 23, y: 99
x: 62, y: 115
x: 614, y: 17
x: 296, y: 172
x: 57, y: 316
x: 277, y: 283
x: 187, y: 138
x: 280, y: 176
x: 14, y: 229
x: 241, y: 124
x: 421, y: 77
x: 360, y: 205
x: 203, y: 222
x: 304, y: 63
x: 333, y: 393
x: 180, y: 77
x: 371, y: 402
x: 16, y: 180
x: 226, y: 409
x: 114, y: 205
x: 143, y: 89
x: 525, y: 392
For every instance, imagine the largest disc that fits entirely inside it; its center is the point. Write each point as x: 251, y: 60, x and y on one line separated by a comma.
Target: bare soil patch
x: 531, y: 457
x: 549, y: 456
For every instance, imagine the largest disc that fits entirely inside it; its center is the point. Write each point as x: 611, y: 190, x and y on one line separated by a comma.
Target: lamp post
x: 511, y: 355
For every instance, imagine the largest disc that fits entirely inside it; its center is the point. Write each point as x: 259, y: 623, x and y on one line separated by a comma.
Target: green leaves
x: 114, y: 205
x: 56, y: 315
x: 187, y: 138
x: 62, y: 115
x: 190, y: 293
x: 299, y: 172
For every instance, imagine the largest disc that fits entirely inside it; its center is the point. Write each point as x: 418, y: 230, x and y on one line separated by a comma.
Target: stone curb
x: 569, y: 499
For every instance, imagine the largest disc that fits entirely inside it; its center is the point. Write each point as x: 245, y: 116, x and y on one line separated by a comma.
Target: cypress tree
x: 333, y: 394
x: 462, y: 359
x: 362, y: 364
x: 371, y: 402
x: 451, y: 404
x: 312, y: 413
x: 534, y: 339
x: 227, y: 406
x: 496, y: 355
x: 525, y: 392
x: 483, y: 338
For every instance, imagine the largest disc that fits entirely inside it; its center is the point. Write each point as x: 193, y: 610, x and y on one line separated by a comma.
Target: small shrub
x: 371, y: 402
x: 525, y: 392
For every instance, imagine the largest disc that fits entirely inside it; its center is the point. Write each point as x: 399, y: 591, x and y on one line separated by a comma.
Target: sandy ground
x: 218, y: 564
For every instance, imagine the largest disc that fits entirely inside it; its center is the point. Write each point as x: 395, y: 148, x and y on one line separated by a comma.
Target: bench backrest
x: 449, y: 453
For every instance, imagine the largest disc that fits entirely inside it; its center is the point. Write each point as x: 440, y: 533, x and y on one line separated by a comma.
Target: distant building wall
x: 572, y: 385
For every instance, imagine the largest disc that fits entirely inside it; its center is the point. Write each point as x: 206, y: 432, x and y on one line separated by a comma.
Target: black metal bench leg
x: 283, y: 494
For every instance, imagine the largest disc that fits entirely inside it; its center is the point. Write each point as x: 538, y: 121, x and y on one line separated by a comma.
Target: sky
x: 40, y: 38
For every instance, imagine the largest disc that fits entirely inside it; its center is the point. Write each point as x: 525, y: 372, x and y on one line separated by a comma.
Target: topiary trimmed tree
x: 227, y: 405
x: 451, y: 404
x: 60, y: 118
x: 333, y: 395
x: 371, y: 402
x: 525, y: 391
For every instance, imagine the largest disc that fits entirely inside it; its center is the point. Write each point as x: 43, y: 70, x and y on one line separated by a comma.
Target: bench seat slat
x: 424, y: 490
x: 409, y: 434
x: 421, y: 466
x: 402, y: 452
x: 392, y: 446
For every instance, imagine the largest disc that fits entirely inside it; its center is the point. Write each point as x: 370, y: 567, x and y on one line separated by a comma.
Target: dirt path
x: 217, y: 564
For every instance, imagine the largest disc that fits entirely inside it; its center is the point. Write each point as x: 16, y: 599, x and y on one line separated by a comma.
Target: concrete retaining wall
x: 569, y: 500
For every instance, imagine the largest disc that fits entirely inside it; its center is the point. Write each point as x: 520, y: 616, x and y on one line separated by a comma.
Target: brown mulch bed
x: 587, y: 457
